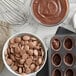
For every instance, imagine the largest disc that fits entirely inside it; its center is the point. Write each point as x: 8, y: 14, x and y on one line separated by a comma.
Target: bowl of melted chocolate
x: 50, y: 12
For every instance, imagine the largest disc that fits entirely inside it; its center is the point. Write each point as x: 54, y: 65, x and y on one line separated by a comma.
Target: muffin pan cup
x: 63, y: 52
x: 69, y: 72
x: 57, y: 71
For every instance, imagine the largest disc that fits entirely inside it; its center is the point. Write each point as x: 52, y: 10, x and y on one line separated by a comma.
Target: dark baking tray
x: 45, y: 70
x: 61, y: 33
x: 62, y: 52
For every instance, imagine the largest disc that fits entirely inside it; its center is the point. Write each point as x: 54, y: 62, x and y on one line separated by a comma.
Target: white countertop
x: 42, y: 31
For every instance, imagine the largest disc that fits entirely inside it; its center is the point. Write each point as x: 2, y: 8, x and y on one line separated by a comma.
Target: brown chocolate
x: 55, y: 44
x: 68, y: 59
x: 56, y: 72
x: 68, y: 43
x: 69, y: 72
x: 56, y: 60
x: 50, y: 11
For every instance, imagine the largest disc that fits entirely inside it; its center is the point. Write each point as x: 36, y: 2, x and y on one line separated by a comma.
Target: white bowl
x: 6, y: 46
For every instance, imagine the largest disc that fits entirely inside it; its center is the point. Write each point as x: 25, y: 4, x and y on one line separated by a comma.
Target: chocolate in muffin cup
x: 56, y: 72
x: 69, y: 72
x: 56, y: 59
x: 68, y: 59
x: 55, y: 43
x: 68, y: 43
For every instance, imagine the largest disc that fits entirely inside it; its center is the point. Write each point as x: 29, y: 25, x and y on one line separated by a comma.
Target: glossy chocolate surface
x: 50, y: 11
x: 56, y: 72
x: 69, y: 72
x: 56, y: 44
x: 68, y: 43
x: 56, y: 59
x: 69, y: 58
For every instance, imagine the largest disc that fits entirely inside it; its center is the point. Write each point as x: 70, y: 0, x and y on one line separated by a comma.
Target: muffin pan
x: 62, y: 55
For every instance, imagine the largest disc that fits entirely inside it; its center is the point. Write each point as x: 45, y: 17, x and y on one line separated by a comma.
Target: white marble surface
x: 44, y: 32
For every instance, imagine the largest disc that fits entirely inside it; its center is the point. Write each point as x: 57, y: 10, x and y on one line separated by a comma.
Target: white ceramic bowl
x: 6, y: 45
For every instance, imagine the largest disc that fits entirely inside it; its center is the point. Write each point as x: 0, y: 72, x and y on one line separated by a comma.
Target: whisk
x: 13, y: 11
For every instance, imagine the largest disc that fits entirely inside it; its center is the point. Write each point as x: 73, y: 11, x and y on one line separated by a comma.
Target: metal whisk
x: 13, y: 11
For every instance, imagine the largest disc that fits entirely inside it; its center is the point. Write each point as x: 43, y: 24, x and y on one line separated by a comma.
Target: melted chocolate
x: 56, y: 44
x: 56, y: 59
x: 50, y: 11
x: 69, y: 59
x: 68, y: 43
x: 69, y: 72
x: 57, y: 73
